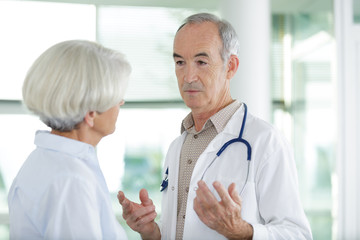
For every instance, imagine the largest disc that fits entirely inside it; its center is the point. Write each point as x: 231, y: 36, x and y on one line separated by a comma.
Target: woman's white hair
x: 72, y: 78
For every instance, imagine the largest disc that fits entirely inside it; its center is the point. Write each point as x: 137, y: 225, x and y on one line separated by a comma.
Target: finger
x: 223, y: 193
x: 207, y: 202
x: 204, y: 215
x: 198, y: 209
x: 121, y: 197
x: 234, y: 194
x: 144, y: 198
x: 125, y: 203
x: 146, y: 218
x: 140, y: 213
x: 204, y: 194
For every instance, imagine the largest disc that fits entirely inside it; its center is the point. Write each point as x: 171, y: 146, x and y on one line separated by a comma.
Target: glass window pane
x: 356, y: 9
x: 28, y: 28
x: 16, y: 142
x: 132, y: 157
x: 307, y: 115
x: 145, y: 35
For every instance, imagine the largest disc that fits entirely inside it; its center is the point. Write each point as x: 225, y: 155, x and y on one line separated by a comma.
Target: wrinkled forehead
x: 198, y: 37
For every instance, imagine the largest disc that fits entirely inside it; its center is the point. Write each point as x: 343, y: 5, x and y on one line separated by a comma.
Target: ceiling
x: 277, y: 6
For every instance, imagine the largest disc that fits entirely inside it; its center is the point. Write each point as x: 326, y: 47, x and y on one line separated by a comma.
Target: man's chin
x: 192, y: 105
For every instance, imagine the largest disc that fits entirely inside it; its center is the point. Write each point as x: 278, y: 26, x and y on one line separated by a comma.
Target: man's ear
x: 89, y: 118
x: 232, y: 66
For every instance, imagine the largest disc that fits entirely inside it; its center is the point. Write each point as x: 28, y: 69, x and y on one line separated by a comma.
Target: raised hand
x: 224, y: 216
x: 140, y: 217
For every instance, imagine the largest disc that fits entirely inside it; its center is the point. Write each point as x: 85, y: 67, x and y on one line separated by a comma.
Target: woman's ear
x: 89, y: 118
x: 232, y: 66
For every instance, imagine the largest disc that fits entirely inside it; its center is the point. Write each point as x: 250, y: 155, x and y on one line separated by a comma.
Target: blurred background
x: 297, y: 70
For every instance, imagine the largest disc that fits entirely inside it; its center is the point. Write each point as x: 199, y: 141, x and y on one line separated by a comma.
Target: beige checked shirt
x: 194, y: 144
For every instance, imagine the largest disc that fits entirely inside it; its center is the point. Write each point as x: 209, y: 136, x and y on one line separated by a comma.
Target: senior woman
x: 76, y: 87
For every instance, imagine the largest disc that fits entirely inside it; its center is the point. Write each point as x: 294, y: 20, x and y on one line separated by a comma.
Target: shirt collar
x: 78, y: 149
x: 219, y: 119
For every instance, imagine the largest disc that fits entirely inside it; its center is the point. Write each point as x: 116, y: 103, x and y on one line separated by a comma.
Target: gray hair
x: 72, y: 78
x: 226, y: 31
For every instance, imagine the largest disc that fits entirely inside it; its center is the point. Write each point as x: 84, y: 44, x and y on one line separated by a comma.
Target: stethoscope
x: 164, y: 183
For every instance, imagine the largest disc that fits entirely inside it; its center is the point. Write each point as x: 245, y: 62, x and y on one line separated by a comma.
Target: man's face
x: 200, y: 70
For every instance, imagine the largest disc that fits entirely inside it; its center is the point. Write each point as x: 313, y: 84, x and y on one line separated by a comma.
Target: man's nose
x: 190, y: 74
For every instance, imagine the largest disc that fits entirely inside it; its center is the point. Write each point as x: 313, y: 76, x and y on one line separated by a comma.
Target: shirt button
x: 196, y: 136
x: 173, y: 188
x: 183, y: 216
x: 189, y: 161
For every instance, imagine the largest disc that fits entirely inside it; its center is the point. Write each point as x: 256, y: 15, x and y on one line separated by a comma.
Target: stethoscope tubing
x: 238, y: 139
x: 164, y: 183
x: 228, y: 143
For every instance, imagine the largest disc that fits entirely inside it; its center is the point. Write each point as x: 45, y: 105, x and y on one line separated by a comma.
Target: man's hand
x: 224, y: 216
x: 140, y: 217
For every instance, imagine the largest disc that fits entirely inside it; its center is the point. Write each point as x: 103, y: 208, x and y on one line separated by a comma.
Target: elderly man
x: 248, y: 189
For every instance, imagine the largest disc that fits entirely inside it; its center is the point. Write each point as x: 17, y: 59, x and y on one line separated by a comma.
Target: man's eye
x: 179, y: 63
x: 202, y: 63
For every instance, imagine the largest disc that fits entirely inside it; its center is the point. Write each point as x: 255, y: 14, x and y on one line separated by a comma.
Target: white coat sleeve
x: 278, y: 197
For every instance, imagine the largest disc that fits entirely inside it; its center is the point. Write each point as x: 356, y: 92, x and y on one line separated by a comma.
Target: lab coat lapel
x: 231, y: 131
x: 169, y: 200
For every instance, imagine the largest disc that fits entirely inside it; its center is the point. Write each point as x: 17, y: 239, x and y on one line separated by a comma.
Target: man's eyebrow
x: 175, y: 55
x: 202, y: 54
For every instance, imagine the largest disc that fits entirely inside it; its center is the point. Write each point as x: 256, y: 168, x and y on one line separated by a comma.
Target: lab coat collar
x: 230, y: 131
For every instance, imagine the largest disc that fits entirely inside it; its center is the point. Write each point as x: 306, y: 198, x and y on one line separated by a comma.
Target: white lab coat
x: 271, y: 200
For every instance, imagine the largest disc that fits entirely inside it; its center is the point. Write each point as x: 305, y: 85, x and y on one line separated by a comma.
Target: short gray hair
x: 226, y: 32
x: 74, y: 77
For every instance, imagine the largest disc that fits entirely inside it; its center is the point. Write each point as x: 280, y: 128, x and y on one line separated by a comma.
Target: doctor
x: 201, y: 192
